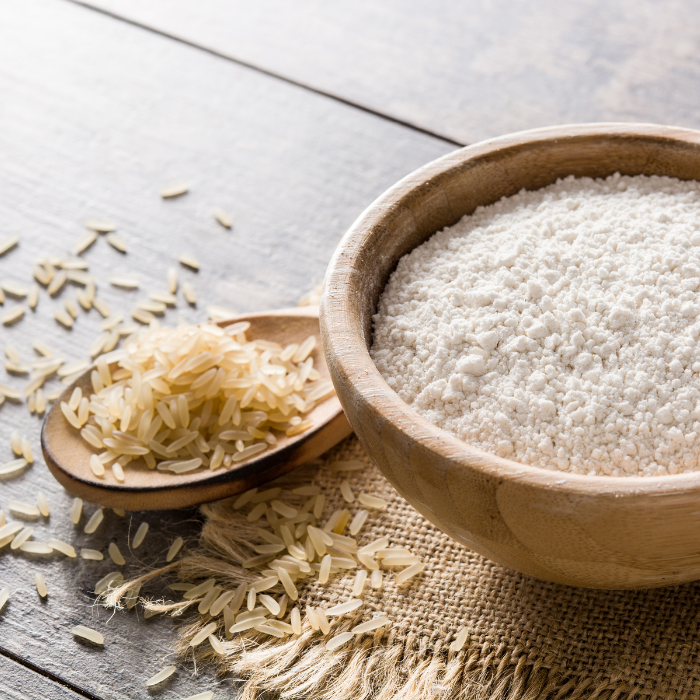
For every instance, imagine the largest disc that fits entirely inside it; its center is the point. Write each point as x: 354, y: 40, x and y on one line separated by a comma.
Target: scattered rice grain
x: 203, y: 634
x: 188, y: 261
x: 161, y: 676
x: 76, y: 510
x: 174, y: 549
x: 8, y: 244
x: 89, y: 634
x: 84, y: 243
x: 115, y: 554
x: 100, y: 226
x: 176, y: 190
x: 117, y: 242
x: 94, y: 522
x: 223, y: 218
x: 42, y: 504
x: 189, y: 293
x: 13, y: 315
x: 139, y: 536
x: 460, y: 639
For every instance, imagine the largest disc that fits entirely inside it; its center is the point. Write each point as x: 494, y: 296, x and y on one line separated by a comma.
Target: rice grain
x: 408, y: 573
x: 76, y: 510
x: 295, y: 620
x: 208, y: 600
x: 14, y: 289
x: 201, y: 589
x: 71, y: 308
x: 42, y: 504
x: 100, y: 226
x: 139, y: 536
x: 63, y: 547
x: 40, y: 584
x: 371, y: 625
x: 13, y: 315
x: 174, y: 549
x: 22, y: 537
x: 10, y: 529
x: 8, y: 244
x: 338, y: 641
x: 13, y: 467
x: 96, y: 466
x: 89, y: 634
x: 115, y: 554
x: 372, y: 501
x: 346, y: 491
x: 42, y: 348
x: 24, y: 510
x: 63, y: 318
x: 107, y: 581
x: 117, y: 242
x: 188, y: 261
x: 102, y: 307
x: 94, y: 522
x: 238, y: 598
x: 161, y: 676
x: 358, y: 585
x: 216, y: 645
x: 84, y: 243
x: 124, y: 282
x: 176, y: 190
x: 36, y: 548
x: 4, y: 595
x: 189, y: 293
x: 203, y: 634
x: 344, y: 608
x: 245, y: 625
x: 460, y: 639
x: 221, y: 602
x: 223, y: 218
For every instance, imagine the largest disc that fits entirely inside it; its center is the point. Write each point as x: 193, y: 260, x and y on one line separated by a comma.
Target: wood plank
x: 18, y: 682
x: 465, y: 70
x: 96, y: 117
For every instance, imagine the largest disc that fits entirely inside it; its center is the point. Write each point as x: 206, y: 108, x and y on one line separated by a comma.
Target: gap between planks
x: 48, y: 675
x: 269, y: 73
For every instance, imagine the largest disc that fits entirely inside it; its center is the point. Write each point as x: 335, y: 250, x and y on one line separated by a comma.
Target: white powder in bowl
x: 558, y: 327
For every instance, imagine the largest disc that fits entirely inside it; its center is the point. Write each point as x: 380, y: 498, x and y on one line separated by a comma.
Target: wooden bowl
x: 600, y: 532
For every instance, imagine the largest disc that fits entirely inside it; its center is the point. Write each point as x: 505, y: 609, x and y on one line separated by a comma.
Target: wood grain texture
x: 464, y: 70
x: 20, y: 683
x: 67, y: 455
x: 95, y: 117
x: 601, y: 532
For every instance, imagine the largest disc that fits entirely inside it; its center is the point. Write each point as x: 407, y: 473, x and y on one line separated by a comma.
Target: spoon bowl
x: 67, y: 455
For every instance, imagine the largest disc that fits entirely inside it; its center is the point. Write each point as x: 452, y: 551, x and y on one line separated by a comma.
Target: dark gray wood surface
x: 18, y: 682
x: 95, y: 117
x: 464, y: 70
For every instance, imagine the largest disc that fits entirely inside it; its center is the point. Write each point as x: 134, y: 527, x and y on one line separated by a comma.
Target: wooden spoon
x: 67, y: 454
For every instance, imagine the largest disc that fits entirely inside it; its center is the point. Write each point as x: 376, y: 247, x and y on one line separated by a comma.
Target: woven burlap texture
x: 527, y: 639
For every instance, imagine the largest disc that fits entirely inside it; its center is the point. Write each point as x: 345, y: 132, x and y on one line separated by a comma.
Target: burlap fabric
x: 528, y: 639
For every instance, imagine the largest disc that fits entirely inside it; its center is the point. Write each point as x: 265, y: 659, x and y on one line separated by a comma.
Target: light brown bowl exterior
x: 599, y: 532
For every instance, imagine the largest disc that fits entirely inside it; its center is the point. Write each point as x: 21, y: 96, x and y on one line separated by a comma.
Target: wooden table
x: 293, y: 117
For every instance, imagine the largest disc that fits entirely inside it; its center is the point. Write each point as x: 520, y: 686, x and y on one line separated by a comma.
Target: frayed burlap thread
x: 529, y: 640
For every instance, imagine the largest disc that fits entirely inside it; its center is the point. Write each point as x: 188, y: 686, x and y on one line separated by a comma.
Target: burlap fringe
x: 392, y: 664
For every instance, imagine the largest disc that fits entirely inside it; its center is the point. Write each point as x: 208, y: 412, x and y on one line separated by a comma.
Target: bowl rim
x: 343, y: 340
